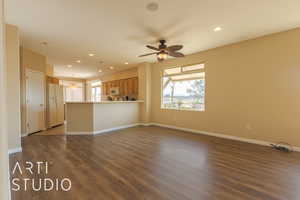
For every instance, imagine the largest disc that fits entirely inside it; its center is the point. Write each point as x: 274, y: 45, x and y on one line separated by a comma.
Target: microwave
x: 114, y: 91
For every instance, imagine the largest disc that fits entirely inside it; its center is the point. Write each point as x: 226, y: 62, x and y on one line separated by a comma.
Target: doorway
x: 35, y: 101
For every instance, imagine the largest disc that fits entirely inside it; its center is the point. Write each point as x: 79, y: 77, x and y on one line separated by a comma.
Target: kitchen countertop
x: 104, y: 102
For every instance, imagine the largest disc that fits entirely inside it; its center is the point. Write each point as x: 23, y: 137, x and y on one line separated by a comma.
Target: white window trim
x: 187, y: 72
x: 92, y: 97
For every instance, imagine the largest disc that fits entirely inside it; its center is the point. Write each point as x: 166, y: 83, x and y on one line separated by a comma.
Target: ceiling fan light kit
x: 162, y: 56
x: 164, y: 51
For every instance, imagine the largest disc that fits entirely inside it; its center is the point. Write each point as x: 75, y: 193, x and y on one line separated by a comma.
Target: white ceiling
x: 117, y: 31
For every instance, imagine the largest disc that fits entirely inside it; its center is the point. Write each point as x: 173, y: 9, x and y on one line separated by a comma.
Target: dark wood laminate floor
x: 157, y: 163
x: 58, y: 130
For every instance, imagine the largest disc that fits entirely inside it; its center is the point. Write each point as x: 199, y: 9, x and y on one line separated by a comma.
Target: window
x: 73, y: 94
x: 96, y: 91
x: 73, y: 91
x: 96, y: 94
x: 183, y: 88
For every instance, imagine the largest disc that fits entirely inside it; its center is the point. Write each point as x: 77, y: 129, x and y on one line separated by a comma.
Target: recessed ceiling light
x: 91, y: 54
x: 44, y: 43
x: 217, y: 29
x: 111, y: 67
x: 78, y: 61
x: 69, y: 66
x: 100, y: 70
x: 126, y: 63
x: 153, y: 6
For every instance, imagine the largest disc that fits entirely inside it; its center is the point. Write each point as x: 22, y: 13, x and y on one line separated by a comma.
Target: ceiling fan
x: 164, y: 51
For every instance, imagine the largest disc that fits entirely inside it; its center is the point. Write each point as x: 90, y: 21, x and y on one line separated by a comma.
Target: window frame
x: 64, y: 84
x: 93, y: 85
x: 93, y: 97
x: 162, y: 75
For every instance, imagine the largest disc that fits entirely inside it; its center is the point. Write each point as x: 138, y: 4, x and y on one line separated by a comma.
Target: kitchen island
x: 88, y: 118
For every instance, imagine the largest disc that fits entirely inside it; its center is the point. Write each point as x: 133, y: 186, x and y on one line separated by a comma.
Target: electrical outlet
x: 248, y: 127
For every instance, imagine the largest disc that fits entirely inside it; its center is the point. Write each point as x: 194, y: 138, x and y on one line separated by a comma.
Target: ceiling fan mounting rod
x: 162, y: 44
x: 162, y: 41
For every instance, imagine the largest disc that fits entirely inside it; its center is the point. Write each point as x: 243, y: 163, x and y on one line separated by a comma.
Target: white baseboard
x: 14, y: 150
x: 145, y: 124
x: 116, y: 128
x: 79, y: 133
x: 24, y: 134
x: 220, y: 135
x: 104, y: 130
x: 296, y: 149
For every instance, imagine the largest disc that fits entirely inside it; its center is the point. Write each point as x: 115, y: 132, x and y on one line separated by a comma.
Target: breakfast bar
x: 88, y: 118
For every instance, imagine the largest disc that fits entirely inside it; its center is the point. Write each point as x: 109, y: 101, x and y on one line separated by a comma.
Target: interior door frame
x: 26, y: 98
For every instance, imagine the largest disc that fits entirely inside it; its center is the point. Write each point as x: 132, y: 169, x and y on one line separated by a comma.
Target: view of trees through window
x: 184, y: 89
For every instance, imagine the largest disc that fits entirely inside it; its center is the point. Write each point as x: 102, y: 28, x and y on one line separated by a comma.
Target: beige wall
x: 144, y: 74
x: 111, y: 115
x: 4, y: 186
x: 130, y: 73
x: 49, y: 70
x: 13, y: 87
x: 88, y: 91
x: 80, y: 117
x: 87, y: 118
x: 33, y: 60
x: 252, y: 90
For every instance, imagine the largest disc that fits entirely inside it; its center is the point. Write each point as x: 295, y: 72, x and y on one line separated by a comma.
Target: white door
x: 35, y: 99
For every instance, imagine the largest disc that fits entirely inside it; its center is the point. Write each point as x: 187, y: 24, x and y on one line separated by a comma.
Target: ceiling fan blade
x: 176, y: 54
x: 153, y: 48
x: 174, y: 48
x: 148, y: 54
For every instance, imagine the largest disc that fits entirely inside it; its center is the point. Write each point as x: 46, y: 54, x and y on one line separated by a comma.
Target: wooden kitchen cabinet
x: 135, y: 85
x: 105, y: 88
x: 130, y: 86
x: 126, y: 86
x: 122, y: 87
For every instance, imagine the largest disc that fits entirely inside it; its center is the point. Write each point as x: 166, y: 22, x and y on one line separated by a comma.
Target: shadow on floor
x: 58, y: 130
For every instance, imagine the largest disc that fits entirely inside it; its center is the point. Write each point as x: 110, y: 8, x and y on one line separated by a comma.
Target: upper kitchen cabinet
x: 126, y: 87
